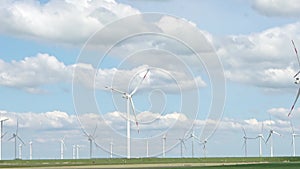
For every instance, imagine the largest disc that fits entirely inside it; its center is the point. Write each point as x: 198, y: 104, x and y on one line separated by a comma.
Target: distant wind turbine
x: 182, y: 143
x: 16, y: 138
x: 270, y: 137
x: 193, y: 137
x: 91, y: 139
x: 128, y: 96
x: 62, y: 146
x: 1, y: 135
x: 245, y: 137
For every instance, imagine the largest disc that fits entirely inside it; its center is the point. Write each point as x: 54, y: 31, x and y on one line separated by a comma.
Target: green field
x: 203, y: 163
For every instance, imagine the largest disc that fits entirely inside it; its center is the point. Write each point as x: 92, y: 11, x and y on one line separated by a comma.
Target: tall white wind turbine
x: 16, y: 138
x: 293, y: 139
x: 1, y: 136
x: 128, y: 96
x: 270, y: 137
x: 204, y: 142
x: 182, y: 143
x: 194, y: 138
x: 91, y: 139
x: 62, y: 146
x: 245, y: 137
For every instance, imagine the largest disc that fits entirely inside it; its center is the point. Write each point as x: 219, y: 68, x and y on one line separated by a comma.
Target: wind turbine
x: 91, y: 139
x: 193, y: 137
x: 270, y: 137
x: 204, y: 142
x: 293, y: 139
x: 62, y: 146
x: 245, y: 140
x: 297, y: 79
x: 164, y: 139
x: 181, y: 140
x: 1, y: 136
x: 128, y: 96
x: 261, y: 138
x: 16, y: 138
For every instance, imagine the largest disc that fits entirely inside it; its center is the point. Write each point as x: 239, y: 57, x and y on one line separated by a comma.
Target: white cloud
x: 32, y: 73
x: 264, y: 59
x: 287, y: 8
x: 59, y: 21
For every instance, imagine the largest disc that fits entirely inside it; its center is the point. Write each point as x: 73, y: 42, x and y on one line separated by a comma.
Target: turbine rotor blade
x: 296, y: 52
x: 268, y: 138
x: 95, y: 130
x: 20, y: 140
x: 244, y: 131
x: 292, y: 108
x: 140, y: 82
x: 115, y: 90
x: 134, y: 113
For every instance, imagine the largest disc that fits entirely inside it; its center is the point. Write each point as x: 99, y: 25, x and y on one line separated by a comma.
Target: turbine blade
x: 3, y: 134
x: 292, y: 127
x: 297, y: 74
x: 20, y: 140
x: 292, y: 108
x: 140, y: 82
x: 95, y: 130
x: 276, y: 133
x: 115, y: 90
x: 268, y: 138
x: 134, y: 113
x: 296, y: 52
x: 17, y: 127
x: 244, y: 131
x: 11, y: 138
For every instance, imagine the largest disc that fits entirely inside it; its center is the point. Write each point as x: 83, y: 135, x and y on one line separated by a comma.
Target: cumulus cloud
x: 288, y: 8
x: 264, y: 59
x: 32, y: 73
x: 59, y: 21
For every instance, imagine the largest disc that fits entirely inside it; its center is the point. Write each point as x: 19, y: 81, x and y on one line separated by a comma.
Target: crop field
x: 193, y: 163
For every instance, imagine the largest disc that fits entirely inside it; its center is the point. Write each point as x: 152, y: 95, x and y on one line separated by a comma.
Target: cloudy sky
x: 56, y: 58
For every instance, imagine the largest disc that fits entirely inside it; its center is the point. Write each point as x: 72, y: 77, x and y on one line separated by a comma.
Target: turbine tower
x: 74, y: 151
x: 128, y: 96
x: 62, y: 146
x: 1, y: 136
x: 164, y: 139
x: 204, y: 147
x: 16, y: 138
x: 293, y: 139
x: 111, y: 149
x: 20, y: 151
x: 30, y: 150
x: 261, y: 138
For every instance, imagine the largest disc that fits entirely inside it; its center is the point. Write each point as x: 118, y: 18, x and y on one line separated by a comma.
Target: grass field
x: 203, y: 163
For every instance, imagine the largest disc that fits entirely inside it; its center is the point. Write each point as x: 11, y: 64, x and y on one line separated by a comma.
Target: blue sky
x: 42, y: 43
